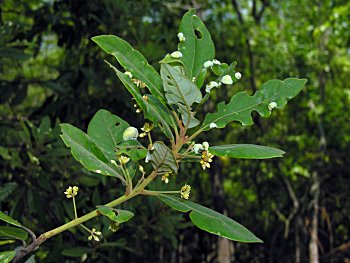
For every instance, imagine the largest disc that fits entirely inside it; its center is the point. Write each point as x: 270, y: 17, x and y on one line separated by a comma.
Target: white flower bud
x: 176, y: 54
x: 128, y: 73
x: 217, y: 62
x: 238, y: 75
x: 197, y: 147
x: 272, y: 105
x: 211, y: 85
x: 213, y: 125
x: 226, y: 80
x: 205, y: 145
x: 130, y: 133
x: 181, y: 37
x: 208, y: 64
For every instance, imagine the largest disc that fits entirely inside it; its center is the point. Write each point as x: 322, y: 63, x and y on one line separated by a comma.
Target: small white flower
x: 211, y: 85
x: 148, y: 157
x: 114, y: 162
x: 208, y: 64
x: 217, y: 62
x: 197, y: 147
x: 128, y: 73
x: 98, y: 171
x: 205, y: 146
x: 194, y: 79
x: 213, y: 125
x: 226, y: 80
x: 272, y: 105
x: 131, y: 133
x: 176, y: 54
x: 238, y: 75
x: 181, y: 37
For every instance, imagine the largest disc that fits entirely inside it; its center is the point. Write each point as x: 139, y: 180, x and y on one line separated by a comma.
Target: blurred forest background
x: 51, y: 72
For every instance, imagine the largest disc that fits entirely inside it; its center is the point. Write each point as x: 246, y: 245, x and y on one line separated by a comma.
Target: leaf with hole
x: 117, y: 215
x: 198, y: 46
x: 106, y: 130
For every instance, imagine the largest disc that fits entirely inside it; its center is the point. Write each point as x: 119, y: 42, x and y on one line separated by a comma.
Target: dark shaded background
x: 51, y: 72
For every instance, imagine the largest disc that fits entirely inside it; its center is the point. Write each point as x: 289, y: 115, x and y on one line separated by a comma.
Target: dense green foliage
x: 51, y: 73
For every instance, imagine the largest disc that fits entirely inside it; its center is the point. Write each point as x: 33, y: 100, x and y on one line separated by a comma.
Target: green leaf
x: 241, y: 104
x: 106, y: 130
x: 9, y: 232
x: 6, y: 190
x: 198, y: 46
x: 7, y: 256
x: 178, y: 88
x: 163, y: 159
x: 132, y: 148
x: 86, y: 152
x: 246, y: 151
x: 211, y: 221
x: 9, y: 220
x: 153, y: 109
x: 117, y: 215
x: 76, y: 252
x: 132, y: 61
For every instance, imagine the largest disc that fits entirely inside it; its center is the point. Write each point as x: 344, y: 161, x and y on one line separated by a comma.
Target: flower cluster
x: 114, y: 226
x: 146, y: 129
x: 206, y: 156
x: 71, y: 191
x: 123, y: 159
x: 185, y: 191
x: 94, y: 235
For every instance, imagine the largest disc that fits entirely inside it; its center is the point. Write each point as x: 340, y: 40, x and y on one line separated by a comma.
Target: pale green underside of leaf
x: 85, y: 151
x: 106, y: 130
x: 178, y: 88
x: 241, y: 104
x: 133, y: 61
x: 7, y: 256
x: 211, y: 221
x: 8, y: 219
x: 152, y: 108
x: 195, y: 51
x: 8, y: 232
x: 116, y: 215
x: 163, y: 159
x: 246, y: 151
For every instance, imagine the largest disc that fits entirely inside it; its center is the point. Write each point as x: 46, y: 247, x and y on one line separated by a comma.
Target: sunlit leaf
x: 198, y: 46
x: 7, y: 256
x: 116, y: 215
x: 241, y: 104
x: 211, y: 221
x: 133, y: 61
x: 9, y: 220
x: 106, y: 130
x: 86, y: 152
x: 246, y: 151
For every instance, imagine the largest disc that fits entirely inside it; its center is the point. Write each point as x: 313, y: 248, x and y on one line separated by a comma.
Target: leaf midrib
x: 190, y: 209
x: 89, y: 153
